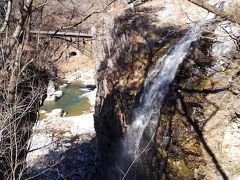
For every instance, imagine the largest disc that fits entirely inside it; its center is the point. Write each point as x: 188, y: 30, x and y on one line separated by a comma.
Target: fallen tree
x: 215, y: 10
x: 222, y: 14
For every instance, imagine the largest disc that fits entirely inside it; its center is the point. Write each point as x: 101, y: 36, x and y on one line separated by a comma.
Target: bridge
x: 62, y: 34
x: 76, y: 39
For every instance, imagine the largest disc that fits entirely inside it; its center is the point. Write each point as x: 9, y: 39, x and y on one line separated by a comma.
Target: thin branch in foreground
x: 138, y: 156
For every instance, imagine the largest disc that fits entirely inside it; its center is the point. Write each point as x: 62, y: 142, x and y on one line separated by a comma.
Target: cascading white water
x: 155, y: 88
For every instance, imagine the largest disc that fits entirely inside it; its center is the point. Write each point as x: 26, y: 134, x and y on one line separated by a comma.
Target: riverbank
x: 55, y: 137
x: 59, y: 141
x: 63, y: 147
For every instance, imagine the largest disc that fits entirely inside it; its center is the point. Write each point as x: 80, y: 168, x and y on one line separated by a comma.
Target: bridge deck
x: 64, y: 34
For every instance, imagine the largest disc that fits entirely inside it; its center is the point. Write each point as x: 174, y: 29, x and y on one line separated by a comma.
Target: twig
x: 138, y: 156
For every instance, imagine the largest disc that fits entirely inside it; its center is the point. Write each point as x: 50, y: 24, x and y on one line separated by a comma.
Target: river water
x: 74, y: 101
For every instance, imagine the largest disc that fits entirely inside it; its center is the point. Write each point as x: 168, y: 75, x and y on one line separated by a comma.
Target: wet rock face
x: 201, y: 107
x: 196, y: 109
x: 136, y: 42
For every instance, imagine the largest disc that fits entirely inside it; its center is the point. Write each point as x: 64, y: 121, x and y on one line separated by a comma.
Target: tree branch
x: 215, y: 10
x: 7, y: 16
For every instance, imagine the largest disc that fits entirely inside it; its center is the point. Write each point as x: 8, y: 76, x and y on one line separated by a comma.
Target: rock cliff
x: 197, y: 132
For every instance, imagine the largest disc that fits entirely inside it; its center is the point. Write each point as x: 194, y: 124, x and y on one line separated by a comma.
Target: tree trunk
x: 25, y: 10
x: 7, y: 16
x: 215, y: 10
x: 29, y: 23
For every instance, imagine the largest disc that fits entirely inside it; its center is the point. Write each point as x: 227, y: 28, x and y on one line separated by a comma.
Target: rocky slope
x: 77, y: 65
x: 197, y: 133
x: 65, y: 147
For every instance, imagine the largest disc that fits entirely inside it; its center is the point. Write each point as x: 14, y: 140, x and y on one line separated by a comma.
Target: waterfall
x: 156, y: 86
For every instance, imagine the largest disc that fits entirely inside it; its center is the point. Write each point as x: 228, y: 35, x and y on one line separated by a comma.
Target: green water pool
x: 73, y: 102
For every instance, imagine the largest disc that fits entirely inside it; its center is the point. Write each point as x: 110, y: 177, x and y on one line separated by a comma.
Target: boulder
x: 52, y: 93
x: 58, y: 94
x: 55, y: 113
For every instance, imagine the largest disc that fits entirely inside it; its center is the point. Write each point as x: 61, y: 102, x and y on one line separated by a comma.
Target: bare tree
x: 22, y: 88
x: 24, y: 75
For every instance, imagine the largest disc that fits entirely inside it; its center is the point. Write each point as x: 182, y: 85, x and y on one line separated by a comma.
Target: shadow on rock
x: 80, y: 162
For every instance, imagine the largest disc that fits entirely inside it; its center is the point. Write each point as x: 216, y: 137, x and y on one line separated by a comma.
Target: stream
x: 74, y: 101
x: 66, y: 144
